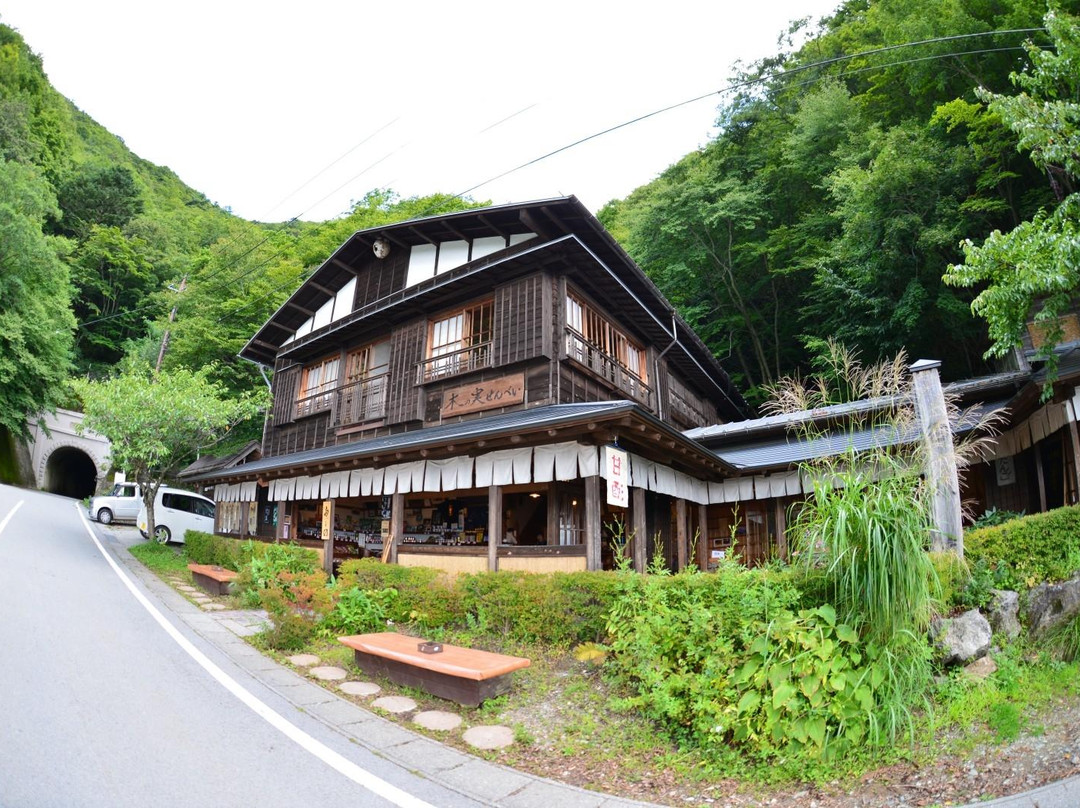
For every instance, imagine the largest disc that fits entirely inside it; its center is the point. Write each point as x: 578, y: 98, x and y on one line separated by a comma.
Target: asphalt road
x: 104, y: 704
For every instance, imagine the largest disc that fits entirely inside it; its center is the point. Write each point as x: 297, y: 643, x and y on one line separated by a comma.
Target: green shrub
x: 359, y: 611
x: 261, y: 565
x: 207, y: 548
x: 1032, y: 549
x: 994, y: 517
x: 427, y: 598
x: 953, y: 576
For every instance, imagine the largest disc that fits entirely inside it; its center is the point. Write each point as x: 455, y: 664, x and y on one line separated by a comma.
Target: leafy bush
x: 1031, y: 549
x: 426, y: 597
x: 358, y: 611
x: 207, y: 548
x: 953, y: 577
x: 262, y: 564
x: 995, y: 517
x: 296, y: 602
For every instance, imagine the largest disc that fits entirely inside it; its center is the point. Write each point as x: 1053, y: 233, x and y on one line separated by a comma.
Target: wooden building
x: 480, y: 390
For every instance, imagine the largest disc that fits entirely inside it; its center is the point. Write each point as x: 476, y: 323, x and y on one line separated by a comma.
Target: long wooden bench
x: 214, y: 580
x: 459, y: 674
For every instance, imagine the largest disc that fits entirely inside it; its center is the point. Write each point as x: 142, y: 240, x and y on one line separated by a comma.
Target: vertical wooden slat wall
x: 286, y: 388
x: 520, y: 310
x: 406, y: 350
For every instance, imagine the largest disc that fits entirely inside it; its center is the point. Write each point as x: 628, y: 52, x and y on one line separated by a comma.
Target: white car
x: 120, y: 504
x: 176, y: 511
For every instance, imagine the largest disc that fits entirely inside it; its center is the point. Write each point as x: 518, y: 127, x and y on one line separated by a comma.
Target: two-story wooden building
x: 461, y: 391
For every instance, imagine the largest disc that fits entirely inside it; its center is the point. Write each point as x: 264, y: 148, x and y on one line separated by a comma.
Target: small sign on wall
x: 617, y: 466
x: 486, y: 395
x: 327, y: 519
x: 1005, y: 470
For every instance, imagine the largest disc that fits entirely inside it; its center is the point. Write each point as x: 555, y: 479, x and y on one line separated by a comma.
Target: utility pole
x: 172, y: 318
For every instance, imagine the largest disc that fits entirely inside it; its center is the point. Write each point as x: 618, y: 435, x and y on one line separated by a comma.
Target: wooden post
x: 948, y: 531
x: 495, y: 525
x: 1041, y: 476
x: 328, y: 535
x: 397, y: 525
x: 703, y: 538
x: 592, y: 523
x: 781, y: 530
x: 682, y: 540
x: 639, y: 528
x: 552, y: 514
x: 1075, y: 443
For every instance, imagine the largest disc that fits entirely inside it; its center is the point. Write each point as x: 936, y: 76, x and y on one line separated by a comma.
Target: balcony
x: 608, y: 367
x: 360, y: 401
x: 475, y: 357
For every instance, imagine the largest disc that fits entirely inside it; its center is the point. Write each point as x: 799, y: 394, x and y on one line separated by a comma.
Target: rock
x: 1004, y: 609
x: 962, y: 639
x: 981, y: 668
x: 1049, y: 605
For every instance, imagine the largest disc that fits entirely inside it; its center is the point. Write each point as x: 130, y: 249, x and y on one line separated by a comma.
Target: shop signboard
x: 617, y: 467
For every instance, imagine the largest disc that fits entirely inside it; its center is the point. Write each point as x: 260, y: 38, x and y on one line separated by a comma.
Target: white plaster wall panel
x: 452, y: 254
x: 343, y: 301
x: 487, y: 246
x: 421, y: 264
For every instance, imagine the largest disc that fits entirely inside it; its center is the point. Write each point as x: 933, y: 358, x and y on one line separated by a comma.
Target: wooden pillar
x: 781, y: 530
x: 1041, y: 477
x: 682, y: 539
x: 640, y: 529
x: 286, y: 519
x: 1074, y: 439
x: 592, y: 522
x: 495, y: 525
x: 703, y: 537
x: 327, y: 531
x: 552, y: 514
x: 397, y: 525
x: 948, y: 531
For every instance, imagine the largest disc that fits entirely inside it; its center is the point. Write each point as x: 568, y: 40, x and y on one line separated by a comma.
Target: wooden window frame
x: 319, y: 397
x: 598, y: 330
x: 471, y: 350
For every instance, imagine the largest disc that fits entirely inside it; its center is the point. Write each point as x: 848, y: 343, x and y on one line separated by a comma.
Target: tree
x: 1037, y: 262
x: 98, y: 195
x: 36, y: 323
x: 158, y: 424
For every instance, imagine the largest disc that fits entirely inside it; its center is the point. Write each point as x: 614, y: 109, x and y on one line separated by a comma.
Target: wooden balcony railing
x: 603, y: 364
x: 475, y: 357
x: 360, y: 401
x: 309, y: 405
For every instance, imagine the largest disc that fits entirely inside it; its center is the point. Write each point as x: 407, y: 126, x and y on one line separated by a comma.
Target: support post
x: 1040, y: 476
x: 397, y: 525
x: 781, y: 530
x: 639, y: 528
x: 495, y: 525
x: 703, y: 538
x: 327, y: 531
x: 948, y: 531
x: 682, y: 539
x: 1074, y: 439
x: 592, y: 523
x: 552, y: 514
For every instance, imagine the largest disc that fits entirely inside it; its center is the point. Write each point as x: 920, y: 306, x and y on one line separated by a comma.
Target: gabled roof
x: 211, y: 463
x: 568, y: 235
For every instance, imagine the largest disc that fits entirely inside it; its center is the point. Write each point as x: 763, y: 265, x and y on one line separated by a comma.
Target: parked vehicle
x: 176, y: 511
x: 120, y: 504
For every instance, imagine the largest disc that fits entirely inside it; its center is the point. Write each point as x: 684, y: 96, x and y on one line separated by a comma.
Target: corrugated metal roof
x: 790, y: 450
x: 551, y: 415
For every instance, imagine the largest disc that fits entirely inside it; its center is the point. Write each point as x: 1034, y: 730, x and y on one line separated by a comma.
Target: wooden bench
x: 457, y: 674
x: 214, y: 580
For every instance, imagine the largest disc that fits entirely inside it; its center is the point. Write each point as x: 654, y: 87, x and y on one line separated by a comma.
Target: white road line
x: 8, y: 517
x: 358, y: 775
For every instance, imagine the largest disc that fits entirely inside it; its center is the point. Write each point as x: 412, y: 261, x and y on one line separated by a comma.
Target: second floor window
x: 459, y: 341
x: 317, y: 383
x: 363, y: 396
x: 597, y: 333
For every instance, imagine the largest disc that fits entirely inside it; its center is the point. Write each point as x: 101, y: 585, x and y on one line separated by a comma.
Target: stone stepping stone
x: 489, y: 737
x: 328, y: 673
x: 395, y: 704
x: 359, y: 688
x: 303, y: 660
x: 213, y: 607
x: 201, y: 598
x: 187, y: 588
x: 437, y: 719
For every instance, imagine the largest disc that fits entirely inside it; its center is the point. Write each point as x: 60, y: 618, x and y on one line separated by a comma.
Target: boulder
x: 1003, y: 613
x: 981, y: 668
x: 1050, y: 605
x: 962, y: 639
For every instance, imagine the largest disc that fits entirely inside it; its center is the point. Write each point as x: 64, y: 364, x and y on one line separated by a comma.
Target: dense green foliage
x: 1037, y: 263
x: 839, y: 188
x: 1032, y: 549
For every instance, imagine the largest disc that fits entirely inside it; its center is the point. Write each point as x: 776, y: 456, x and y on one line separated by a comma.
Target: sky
x: 280, y: 111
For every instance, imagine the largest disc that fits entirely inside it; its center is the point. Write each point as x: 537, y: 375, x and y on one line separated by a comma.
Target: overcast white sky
x: 280, y: 110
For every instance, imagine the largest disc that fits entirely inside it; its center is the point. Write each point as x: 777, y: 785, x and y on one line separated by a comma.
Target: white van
x: 176, y: 511
x: 122, y: 503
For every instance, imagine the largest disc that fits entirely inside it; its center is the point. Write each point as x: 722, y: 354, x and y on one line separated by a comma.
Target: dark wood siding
x: 307, y: 433
x: 522, y: 310
x: 379, y: 277
x: 286, y: 387
x: 407, y: 347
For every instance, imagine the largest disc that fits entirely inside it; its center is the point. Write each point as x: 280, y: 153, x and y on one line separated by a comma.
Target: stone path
x: 483, y: 737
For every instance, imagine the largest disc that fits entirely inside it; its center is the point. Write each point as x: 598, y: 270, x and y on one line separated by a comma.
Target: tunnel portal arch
x: 70, y: 472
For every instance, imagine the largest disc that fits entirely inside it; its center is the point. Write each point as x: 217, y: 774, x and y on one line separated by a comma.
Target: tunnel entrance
x: 70, y: 472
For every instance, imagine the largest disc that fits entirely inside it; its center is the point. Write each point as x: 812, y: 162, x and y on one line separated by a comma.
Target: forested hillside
x: 844, y: 178
x: 104, y: 255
